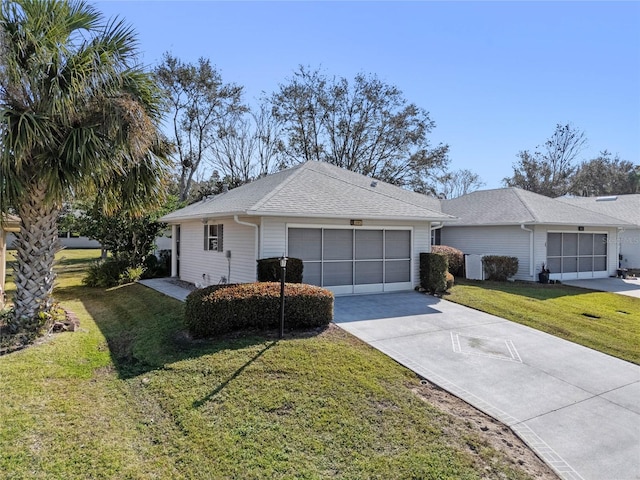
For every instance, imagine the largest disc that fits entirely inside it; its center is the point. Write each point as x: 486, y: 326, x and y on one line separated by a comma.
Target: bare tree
x: 198, y: 102
x: 550, y: 168
x: 457, y: 183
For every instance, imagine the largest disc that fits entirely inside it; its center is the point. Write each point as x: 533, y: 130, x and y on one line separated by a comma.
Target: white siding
x: 274, y: 233
x: 198, y: 265
x: 630, y: 248
x: 509, y: 241
x: 513, y: 241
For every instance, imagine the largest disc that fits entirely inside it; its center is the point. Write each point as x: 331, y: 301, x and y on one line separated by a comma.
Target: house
x: 623, y: 207
x: 353, y: 234
x: 9, y: 223
x: 572, y: 242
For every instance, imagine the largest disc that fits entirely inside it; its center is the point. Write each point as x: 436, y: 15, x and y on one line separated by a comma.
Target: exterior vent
x: 374, y: 183
x: 607, y: 199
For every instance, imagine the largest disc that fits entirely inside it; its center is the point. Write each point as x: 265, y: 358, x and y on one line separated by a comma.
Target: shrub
x: 105, y: 273
x: 110, y: 272
x: 499, y: 268
x: 450, y: 280
x: 269, y: 270
x: 220, y: 309
x: 454, y: 256
x: 433, y: 270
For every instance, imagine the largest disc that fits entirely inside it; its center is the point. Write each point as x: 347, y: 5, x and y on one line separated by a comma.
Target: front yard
x: 606, y: 322
x: 131, y: 396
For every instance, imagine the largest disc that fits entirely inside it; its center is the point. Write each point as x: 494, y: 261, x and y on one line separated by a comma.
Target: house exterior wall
x: 513, y: 241
x: 273, y: 235
x: 630, y: 248
x: 206, y: 267
x: 509, y: 241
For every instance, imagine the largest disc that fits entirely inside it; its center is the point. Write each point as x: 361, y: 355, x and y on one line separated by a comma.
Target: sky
x: 496, y: 77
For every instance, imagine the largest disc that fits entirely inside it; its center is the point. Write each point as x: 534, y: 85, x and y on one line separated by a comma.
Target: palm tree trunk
x: 36, y: 245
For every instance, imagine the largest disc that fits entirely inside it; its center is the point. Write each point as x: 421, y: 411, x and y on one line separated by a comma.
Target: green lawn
x: 129, y: 396
x: 603, y: 321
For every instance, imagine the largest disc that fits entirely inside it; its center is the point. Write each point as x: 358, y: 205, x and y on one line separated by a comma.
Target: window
x: 213, y: 237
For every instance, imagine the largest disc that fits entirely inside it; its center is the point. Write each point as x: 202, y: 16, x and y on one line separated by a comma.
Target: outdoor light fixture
x: 283, y: 274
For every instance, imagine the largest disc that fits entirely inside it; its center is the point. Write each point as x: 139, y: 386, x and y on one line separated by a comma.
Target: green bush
x: 220, y: 309
x: 269, y: 270
x: 433, y: 270
x: 110, y: 272
x: 499, y: 268
x: 454, y: 256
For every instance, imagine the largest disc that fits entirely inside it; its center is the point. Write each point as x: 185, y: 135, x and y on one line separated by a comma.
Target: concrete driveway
x: 577, y: 408
x: 629, y: 286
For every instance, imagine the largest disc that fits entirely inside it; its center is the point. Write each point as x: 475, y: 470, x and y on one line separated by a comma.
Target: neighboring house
x: 354, y: 234
x: 623, y: 207
x: 572, y: 242
x: 9, y: 223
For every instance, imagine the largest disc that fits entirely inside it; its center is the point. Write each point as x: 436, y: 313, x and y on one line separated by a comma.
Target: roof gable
x: 316, y: 189
x: 509, y: 206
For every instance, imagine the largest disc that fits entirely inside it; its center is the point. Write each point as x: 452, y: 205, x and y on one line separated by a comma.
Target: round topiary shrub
x: 220, y: 309
x: 454, y: 256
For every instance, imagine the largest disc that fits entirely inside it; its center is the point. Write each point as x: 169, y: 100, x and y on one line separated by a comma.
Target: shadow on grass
x: 537, y: 291
x: 236, y: 374
x: 144, y: 330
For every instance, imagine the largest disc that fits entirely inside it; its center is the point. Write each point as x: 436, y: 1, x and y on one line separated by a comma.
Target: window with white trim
x: 213, y: 237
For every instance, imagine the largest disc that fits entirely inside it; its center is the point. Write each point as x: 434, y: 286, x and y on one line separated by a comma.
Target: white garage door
x: 353, y: 260
x: 577, y: 255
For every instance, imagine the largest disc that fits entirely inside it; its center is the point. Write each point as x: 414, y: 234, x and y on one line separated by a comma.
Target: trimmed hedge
x: 433, y: 270
x: 499, y: 268
x: 454, y: 256
x: 220, y: 309
x: 269, y: 270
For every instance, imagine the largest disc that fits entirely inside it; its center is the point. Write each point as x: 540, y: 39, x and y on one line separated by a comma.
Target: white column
x: 174, y: 250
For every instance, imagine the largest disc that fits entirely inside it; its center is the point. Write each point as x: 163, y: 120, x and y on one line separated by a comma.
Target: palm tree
x: 78, y: 117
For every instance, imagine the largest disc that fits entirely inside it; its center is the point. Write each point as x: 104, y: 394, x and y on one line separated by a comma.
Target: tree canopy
x: 364, y: 125
x: 78, y: 117
x: 204, y: 112
x: 549, y: 169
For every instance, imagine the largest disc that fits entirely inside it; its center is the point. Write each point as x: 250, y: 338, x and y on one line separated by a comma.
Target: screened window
x: 213, y: 237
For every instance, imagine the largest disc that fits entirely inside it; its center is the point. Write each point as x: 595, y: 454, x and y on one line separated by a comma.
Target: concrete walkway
x: 576, y: 407
x: 629, y: 286
x: 166, y: 286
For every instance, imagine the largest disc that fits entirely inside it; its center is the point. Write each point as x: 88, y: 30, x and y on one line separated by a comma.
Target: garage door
x: 577, y: 255
x: 353, y: 260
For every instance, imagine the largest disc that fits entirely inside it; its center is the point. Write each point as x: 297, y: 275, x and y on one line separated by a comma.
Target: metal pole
x: 283, y: 274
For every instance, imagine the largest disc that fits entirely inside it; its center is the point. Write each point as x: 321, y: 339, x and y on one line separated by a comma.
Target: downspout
x: 531, y: 266
x: 432, y: 229
x: 174, y: 250
x: 618, y: 248
x: 256, y: 239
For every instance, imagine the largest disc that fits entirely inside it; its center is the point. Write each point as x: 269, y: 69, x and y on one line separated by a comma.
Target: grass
x: 130, y: 396
x: 606, y: 322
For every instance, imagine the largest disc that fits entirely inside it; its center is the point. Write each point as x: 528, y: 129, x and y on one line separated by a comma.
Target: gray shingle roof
x: 316, y: 189
x: 509, y: 206
x: 623, y: 207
